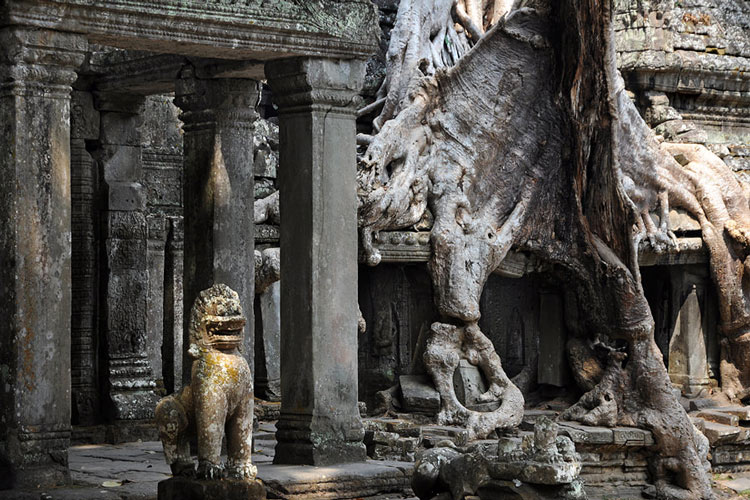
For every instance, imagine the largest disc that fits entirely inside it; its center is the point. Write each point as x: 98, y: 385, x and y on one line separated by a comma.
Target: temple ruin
x: 483, y: 248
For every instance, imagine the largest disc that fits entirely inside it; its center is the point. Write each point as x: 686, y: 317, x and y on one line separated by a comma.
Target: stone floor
x: 131, y: 471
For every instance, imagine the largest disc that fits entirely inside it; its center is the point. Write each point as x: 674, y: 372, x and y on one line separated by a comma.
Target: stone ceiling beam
x: 241, y: 30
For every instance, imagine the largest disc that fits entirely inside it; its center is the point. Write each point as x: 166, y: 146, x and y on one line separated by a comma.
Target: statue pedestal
x: 183, y: 488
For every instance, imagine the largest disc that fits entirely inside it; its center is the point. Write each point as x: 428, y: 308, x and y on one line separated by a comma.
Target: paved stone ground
x: 131, y: 471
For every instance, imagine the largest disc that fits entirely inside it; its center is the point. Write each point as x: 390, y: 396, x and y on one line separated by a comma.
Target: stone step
x: 720, y: 433
x: 742, y: 412
x: 720, y: 417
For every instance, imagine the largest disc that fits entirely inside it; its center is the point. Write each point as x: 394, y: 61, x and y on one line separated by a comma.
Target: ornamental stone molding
x: 249, y: 29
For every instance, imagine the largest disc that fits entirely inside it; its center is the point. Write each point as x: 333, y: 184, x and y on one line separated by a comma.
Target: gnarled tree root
x: 635, y: 391
x: 445, y: 348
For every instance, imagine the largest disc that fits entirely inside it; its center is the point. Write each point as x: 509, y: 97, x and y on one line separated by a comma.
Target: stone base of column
x: 182, y: 488
x: 42, y: 476
x: 131, y: 389
x: 44, y: 449
x: 691, y: 387
x: 305, y: 440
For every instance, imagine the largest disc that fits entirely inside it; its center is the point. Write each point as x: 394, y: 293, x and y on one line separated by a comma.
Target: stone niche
x: 524, y: 318
x: 683, y: 303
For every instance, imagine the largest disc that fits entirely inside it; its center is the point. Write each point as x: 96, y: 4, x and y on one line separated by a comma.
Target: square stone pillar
x: 320, y: 422
x: 268, y: 343
x: 37, y: 68
x: 130, y: 382
x: 172, y: 350
x: 218, y: 117
x: 688, y: 363
x: 553, y: 363
x: 84, y: 125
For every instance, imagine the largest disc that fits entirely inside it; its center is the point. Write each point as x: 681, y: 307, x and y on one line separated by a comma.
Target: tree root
x: 446, y: 346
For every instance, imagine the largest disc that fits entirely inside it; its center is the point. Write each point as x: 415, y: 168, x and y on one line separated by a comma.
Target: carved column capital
x: 311, y: 84
x: 222, y: 101
x: 39, y: 62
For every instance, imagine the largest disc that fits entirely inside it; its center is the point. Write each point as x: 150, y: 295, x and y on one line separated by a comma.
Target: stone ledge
x: 237, y: 30
x: 297, y: 482
x: 413, y: 247
x: 181, y: 488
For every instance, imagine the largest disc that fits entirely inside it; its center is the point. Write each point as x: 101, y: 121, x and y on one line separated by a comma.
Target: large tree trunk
x: 523, y: 143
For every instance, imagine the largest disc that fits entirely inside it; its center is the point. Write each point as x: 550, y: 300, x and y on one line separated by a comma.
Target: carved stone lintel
x: 246, y: 30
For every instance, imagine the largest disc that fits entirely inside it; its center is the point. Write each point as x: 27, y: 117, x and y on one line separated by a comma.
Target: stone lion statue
x: 219, y: 397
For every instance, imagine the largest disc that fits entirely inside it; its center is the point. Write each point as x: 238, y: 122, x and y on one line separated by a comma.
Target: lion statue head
x: 216, y: 321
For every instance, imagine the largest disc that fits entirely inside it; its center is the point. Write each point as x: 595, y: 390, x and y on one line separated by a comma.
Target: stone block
x: 469, y: 384
x: 719, y: 417
x: 724, y: 455
x: 436, y: 433
x: 718, y: 433
x: 586, y: 434
x: 631, y: 436
x: 266, y: 233
x: 84, y: 119
x: 180, y: 488
x: 121, y: 163
x: 701, y: 403
x: 125, y: 196
x: 418, y: 394
x: 380, y: 437
x: 742, y: 412
x: 120, y: 129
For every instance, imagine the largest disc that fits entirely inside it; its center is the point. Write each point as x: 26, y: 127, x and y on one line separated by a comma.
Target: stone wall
x: 162, y: 177
x: 688, y: 61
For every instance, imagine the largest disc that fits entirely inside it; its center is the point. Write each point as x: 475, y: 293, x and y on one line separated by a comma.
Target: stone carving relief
x: 219, y: 396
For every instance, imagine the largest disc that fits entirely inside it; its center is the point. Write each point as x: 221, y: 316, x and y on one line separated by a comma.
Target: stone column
x: 157, y: 236
x: 268, y: 343
x: 553, y: 363
x: 84, y: 125
x: 320, y: 422
x: 218, y: 117
x: 173, y: 321
x: 130, y: 382
x: 37, y: 68
x: 688, y: 365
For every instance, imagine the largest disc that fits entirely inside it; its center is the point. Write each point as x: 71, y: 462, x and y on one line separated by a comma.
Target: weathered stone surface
x: 181, y: 488
x: 130, y: 382
x: 218, y: 117
x: 320, y: 422
x: 688, y: 362
x: 543, y: 458
x: 553, y: 366
x: 418, y: 394
x: 84, y: 125
x: 719, y: 433
x: 37, y: 68
x: 354, y: 480
x: 720, y: 417
x: 268, y: 343
x: 586, y: 434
